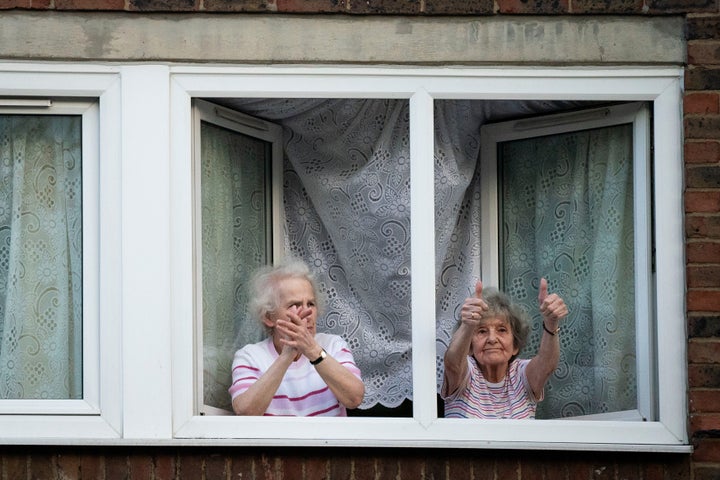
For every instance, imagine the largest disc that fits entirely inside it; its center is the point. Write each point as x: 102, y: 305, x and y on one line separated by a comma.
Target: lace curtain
x: 347, y: 205
x: 40, y: 257
x: 568, y: 215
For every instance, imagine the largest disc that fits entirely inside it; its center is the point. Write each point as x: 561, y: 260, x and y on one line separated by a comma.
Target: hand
x: 474, y: 307
x: 552, y: 307
x: 295, y: 334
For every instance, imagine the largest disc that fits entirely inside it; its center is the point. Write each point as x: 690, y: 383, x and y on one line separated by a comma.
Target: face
x: 295, y: 295
x: 493, y: 343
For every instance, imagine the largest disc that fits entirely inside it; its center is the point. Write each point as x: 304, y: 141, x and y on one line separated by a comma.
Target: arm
x: 256, y: 399
x: 347, y: 388
x: 459, y: 348
x: 541, y: 366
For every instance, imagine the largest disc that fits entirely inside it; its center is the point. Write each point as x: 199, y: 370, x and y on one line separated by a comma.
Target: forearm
x: 256, y: 399
x: 542, y: 366
x: 347, y: 388
x: 456, y: 355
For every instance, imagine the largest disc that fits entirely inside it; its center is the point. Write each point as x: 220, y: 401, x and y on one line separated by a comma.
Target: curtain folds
x: 40, y: 257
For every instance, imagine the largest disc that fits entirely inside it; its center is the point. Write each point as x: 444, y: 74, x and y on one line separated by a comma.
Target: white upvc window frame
x: 661, y: 86
x: 636, y: 114
x: 257, y: 128
x: 93, y: 93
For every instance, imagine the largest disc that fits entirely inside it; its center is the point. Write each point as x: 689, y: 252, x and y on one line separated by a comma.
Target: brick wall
x: 702, y: 206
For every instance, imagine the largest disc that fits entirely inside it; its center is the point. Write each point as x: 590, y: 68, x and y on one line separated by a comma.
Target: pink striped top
x: 302, y: 393
x: 478, y: 398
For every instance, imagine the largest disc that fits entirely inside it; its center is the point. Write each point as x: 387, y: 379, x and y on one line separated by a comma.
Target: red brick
x: 92, y: 465
x: 701, y: 102
x: 704, y: 52
x: 42, y: 465
x: 703, y: 326
x: 459, y: 7
x: 703, y: 300
x: 702, y: 202
x: 706, y: 472
x: 245, y: 6
x: 163, y: 5
x: 702, y: 151
x: 292, y: 466
x: 26, y: 4
x: 531, y: 7
x: 703, y: 27
x: 411, y: 466
x: 190, y: 465
x: 702, y: 78
x: 707, y: 450
x: 140, y: 467
x: 89, y: 4
x: 68, y: 466
x: 269, y: 468
x: 165, y: 466
x: 704, y: 376
x: 607, y: 6
x: 703, y: 276
x: 312, y: 6
x: 702, y: 127
x: 704, y: 351
x: 703, y: 252
x: 242, y: 467
x: 215, y: 466
x: 703, y: 176
x: 704, y: 422
x: 387, y: 7
x: 702, y: 226
x: 116, y: 466
x: 680, y: 6
x: 704, y: 401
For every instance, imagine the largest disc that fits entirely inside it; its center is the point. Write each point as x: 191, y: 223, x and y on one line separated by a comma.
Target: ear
x: 267, y: 321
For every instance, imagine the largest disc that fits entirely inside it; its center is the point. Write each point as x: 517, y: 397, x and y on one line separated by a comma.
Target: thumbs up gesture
x: 552, y: 307
x: 474, y: 307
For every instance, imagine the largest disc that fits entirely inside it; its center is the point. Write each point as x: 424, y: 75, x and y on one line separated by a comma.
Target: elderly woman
x: 295, y: 371
x: 483, y: 378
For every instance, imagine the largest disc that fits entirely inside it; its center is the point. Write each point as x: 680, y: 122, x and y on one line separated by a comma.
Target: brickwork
x: 702, y: 223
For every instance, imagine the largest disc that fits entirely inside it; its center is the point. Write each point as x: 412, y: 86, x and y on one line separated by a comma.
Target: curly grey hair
x: 263, y: 286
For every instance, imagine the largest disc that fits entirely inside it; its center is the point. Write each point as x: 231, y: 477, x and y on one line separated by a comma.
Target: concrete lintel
x: 341, y: 39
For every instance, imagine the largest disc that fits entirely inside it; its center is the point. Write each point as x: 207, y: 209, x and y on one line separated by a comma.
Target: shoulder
x: 254, y: 350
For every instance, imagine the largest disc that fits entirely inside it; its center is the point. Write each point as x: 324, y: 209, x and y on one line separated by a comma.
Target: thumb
x: 478, y: 289
x: 543, y: 291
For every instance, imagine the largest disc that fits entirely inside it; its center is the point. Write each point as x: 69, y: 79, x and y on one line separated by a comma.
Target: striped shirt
x: 478, y: 398
x: 302, y: 392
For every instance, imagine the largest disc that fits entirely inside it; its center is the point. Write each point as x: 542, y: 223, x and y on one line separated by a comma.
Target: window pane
x: 567, y: 215
x: 40, y: 257
x: 235, y: 175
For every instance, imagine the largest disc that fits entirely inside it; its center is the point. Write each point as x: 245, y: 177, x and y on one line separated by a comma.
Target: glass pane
x: 235, y: 205
x: 567, y: 215
x: 40, y: 257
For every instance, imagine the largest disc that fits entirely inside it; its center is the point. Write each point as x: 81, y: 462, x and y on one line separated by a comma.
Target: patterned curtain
x: 234, y: 236
x: 40, y: 257
x: 568, y: 216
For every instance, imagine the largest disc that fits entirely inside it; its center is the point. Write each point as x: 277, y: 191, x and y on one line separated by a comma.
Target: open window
x: 568, y: 197
x: 408, y: 188
x: 239, y: 227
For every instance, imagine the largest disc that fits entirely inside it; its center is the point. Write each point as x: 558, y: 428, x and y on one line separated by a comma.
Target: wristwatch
x: 319, y: 359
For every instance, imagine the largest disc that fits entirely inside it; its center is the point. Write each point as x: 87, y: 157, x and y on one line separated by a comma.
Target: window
x: 573, y: 204
x: 55, y: 360
x: 238, y: 175
x: 432, y: 98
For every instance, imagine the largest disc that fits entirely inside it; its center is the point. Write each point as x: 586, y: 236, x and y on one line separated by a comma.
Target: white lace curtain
x: 40, y: 257
x: 347, y: 205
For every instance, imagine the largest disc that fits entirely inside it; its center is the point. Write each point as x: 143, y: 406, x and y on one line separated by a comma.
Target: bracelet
x: 550, y: 332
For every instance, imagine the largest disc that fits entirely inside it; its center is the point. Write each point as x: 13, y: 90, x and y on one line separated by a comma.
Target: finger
x: 478, y: 289
x: 542, y: 294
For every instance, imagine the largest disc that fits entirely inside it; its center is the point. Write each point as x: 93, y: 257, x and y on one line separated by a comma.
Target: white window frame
x: 661, y: 86
x: 636, y: 114
x: 93, y: 93
x: 255, y: 128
